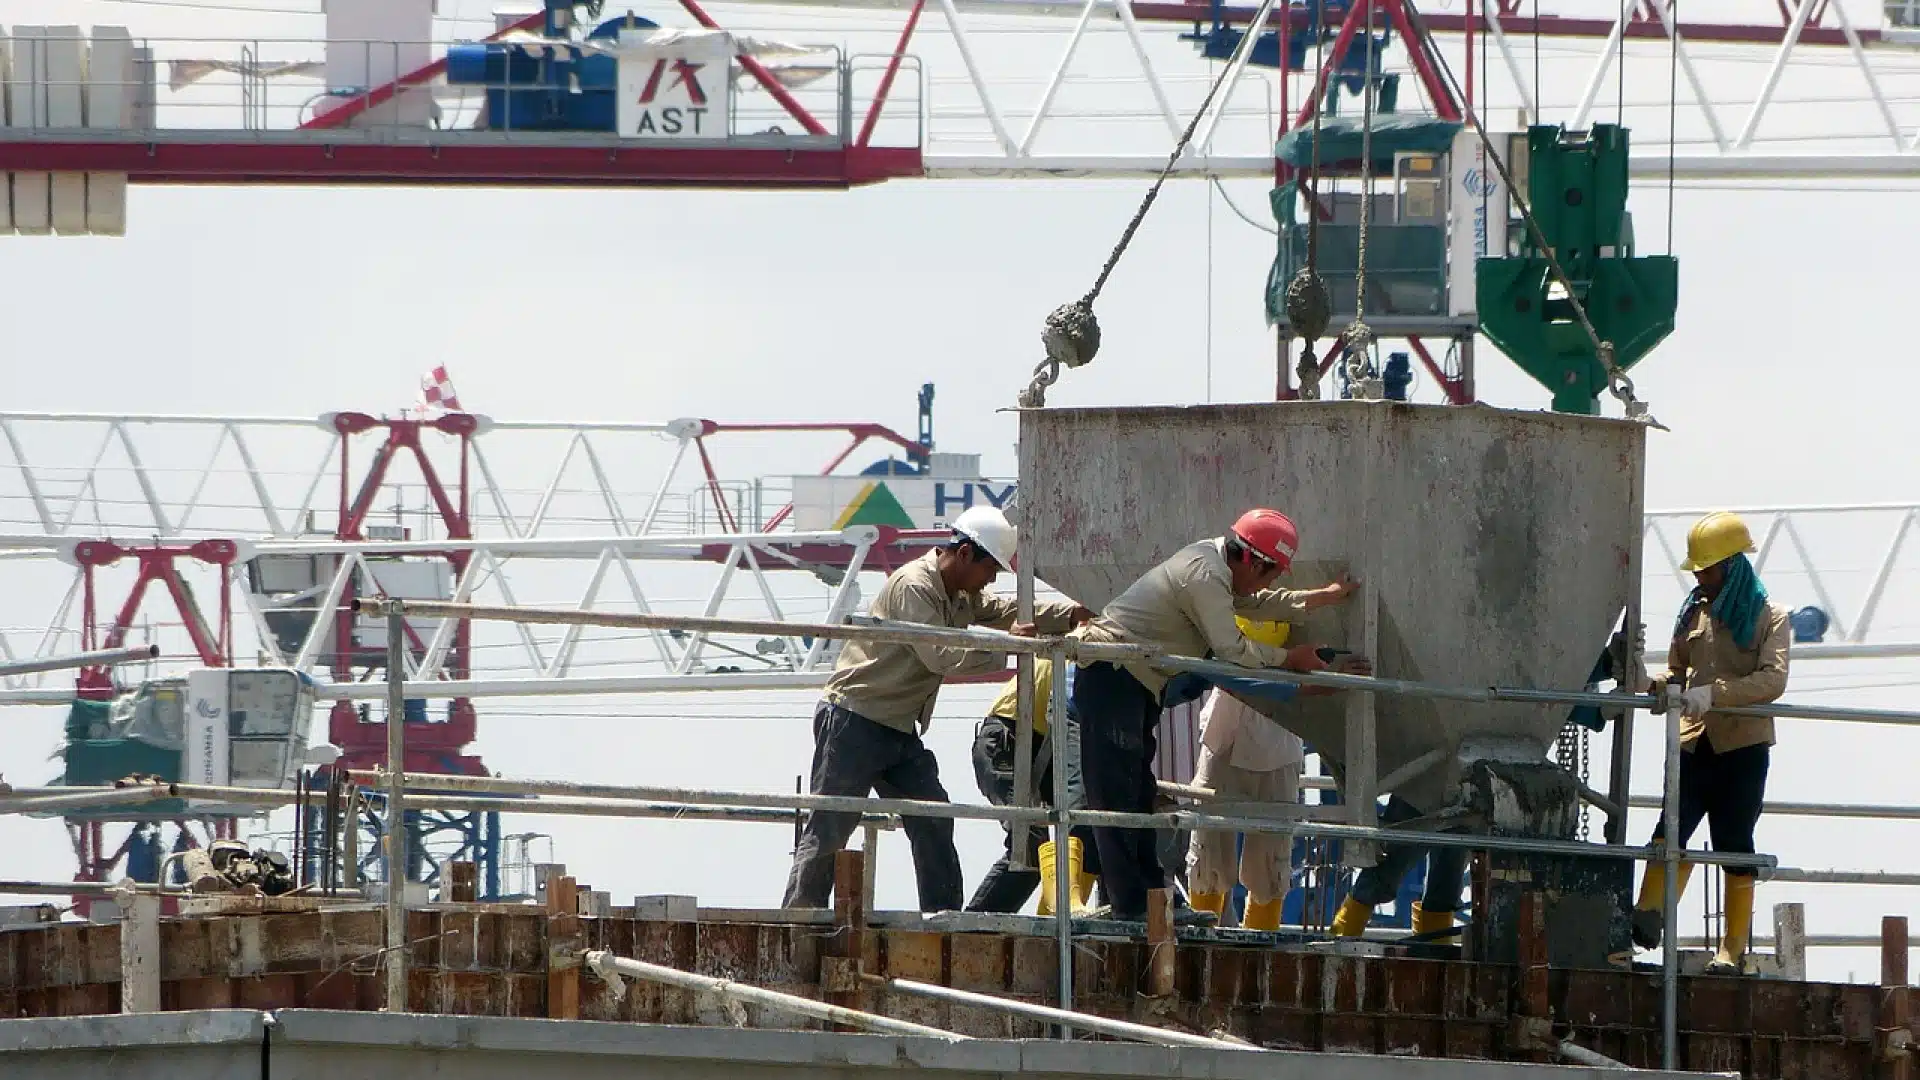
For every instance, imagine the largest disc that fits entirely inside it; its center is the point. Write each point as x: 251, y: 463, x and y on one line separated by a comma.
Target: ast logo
x: 676, y: 87
x: 657, y: 118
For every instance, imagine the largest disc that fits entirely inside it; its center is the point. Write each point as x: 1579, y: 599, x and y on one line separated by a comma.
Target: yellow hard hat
x: 1716, y: 538
x: 1266, y: 632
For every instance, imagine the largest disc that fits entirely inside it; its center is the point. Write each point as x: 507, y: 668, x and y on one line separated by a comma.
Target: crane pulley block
x: 1577, y: 191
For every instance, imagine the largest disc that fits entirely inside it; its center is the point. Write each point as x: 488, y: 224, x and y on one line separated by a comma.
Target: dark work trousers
x: 1727, y: 790
x: 855, y: 756
x: 1117, y: 720
x: 1446, y: 867
x: 1005, y: 890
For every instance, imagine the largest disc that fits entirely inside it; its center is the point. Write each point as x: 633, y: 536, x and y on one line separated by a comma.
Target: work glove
x: 1696, y: 701
x: 1656, y: 688
x: 1621, y: 654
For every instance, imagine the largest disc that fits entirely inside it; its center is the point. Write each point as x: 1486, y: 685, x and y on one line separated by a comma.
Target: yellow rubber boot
x: 1730, y: 960
x: 1653, y: 885
x: 1263, y: 916
x: 1208, y: 901
x: 1076, y: 857
x: 1083, y: 884
x: 1427, y: 922
x: 1649, y: 912
x: 1353, y: 918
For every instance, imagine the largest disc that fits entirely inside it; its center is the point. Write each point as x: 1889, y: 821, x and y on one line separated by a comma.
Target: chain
x: 1309, y: 306
x: 1071, y: 334
x: 1359, y: 337
x: 1618, y: 384
x: 1573, y: 751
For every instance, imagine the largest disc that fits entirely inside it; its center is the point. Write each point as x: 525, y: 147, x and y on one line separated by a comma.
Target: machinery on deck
x: 1577, y: 189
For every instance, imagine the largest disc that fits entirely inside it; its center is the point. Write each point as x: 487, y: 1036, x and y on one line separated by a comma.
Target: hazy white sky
x: 1783, y: 385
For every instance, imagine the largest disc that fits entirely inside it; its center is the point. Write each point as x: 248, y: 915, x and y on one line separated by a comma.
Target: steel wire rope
x: 1071, y: 334
x: 1618, y: 384
x: 1309, y: 306
x: 1358, y: 338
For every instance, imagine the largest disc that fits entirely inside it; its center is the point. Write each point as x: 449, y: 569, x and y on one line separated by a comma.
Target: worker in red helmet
x: 1186, y: 606
x: 879, y: 701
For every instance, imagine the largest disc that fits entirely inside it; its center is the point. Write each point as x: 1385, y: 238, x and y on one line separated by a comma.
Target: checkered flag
x: 436, y: 394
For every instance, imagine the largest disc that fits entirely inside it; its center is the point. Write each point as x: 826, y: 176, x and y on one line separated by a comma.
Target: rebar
x: 1066, y: 1018
x: 610, y: 968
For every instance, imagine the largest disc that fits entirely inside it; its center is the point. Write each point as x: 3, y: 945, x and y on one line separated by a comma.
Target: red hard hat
x: 1269, y: 532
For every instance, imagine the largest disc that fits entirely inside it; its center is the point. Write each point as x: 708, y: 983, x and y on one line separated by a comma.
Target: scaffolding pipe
x: 396, y: 829
x: 82, y: 800
x: 1062, y: 883
x: 85, y: 888
x: 1119, y: 1029
x: 1580, y: 1055
x: 1179, y: 820
x: 132, y: 654
x: 1670, y: 899
x: 611, y: 968
x: 983, y: 640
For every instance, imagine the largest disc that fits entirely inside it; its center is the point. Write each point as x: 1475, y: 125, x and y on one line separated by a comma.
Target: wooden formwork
x: 513, y: 960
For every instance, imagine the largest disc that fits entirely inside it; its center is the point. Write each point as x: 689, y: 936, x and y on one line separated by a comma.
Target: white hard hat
x: 990, y: 530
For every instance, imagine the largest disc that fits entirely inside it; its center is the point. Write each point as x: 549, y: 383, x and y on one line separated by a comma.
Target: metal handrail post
x: 1670, y: 900
x: 1062, y: 883
x: 396, y: 943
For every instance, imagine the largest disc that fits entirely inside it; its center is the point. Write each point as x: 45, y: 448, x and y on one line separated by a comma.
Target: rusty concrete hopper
x: 1500, y: 547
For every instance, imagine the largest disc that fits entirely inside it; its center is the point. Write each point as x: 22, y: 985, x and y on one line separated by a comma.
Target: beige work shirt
x: 1186, y: 607
x: 1706, y: 655
x: 896, y: 685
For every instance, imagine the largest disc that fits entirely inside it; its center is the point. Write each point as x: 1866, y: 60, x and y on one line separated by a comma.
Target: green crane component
x: 1577, y: 189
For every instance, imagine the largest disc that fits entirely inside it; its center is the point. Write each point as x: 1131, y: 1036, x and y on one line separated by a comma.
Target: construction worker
x: 1183, y: 607
x: 879, y: 701
x: 1377, y: 884
x: 1729, y: 649
x: 1005, y: 890
x: 1245, y: 756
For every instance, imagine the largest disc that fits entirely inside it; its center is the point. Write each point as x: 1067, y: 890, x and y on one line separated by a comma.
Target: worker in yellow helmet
x: 1245, y: 757
x: 1729, y: 649
x: 1005, y: 890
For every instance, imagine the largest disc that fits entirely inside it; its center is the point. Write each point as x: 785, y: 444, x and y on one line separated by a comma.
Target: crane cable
x: 1308, y: 305
x: 1358, y: 337
x: 1071, y: 333
x: 1618, y: 384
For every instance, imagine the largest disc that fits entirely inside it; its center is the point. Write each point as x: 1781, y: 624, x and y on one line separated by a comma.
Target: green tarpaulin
x: 1340, y: 141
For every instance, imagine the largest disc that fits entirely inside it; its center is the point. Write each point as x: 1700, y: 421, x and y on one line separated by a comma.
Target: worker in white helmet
x: 1730, y: 648
x: 879, y: 701
x: 1245, y: 757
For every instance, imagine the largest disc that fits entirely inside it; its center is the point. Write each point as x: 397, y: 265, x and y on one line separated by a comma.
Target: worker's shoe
x: 1076, y: 858
x: 1731, y: 959
x: 1209, y: 901
x: 1187, y: 915
x: 1352, y: 919
x: 1649, y: 912
x: 1430, y: 922
x: 1263, y: 916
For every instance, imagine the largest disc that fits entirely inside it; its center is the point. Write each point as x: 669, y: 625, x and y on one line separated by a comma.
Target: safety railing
x: 636, y: 801
x: 1061, y: 651
x: 521, y: 90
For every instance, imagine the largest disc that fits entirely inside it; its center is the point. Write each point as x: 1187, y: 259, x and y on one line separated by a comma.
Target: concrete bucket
x: 1496, y: 548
